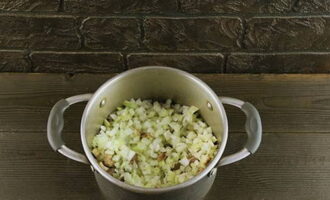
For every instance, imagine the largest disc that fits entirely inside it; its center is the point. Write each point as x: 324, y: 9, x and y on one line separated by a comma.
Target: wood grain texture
x: 286, y: 166
x: 287, y: 103
x: 293, y: 161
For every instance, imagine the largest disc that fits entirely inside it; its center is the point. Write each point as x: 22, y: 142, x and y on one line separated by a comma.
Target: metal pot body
x: 196, y: 191
x: 157, y: 83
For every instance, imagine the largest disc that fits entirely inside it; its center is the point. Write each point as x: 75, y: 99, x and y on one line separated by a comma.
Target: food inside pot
x: 151, y: 144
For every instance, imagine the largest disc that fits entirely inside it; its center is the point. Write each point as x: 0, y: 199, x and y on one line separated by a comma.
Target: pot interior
x: 156, y: 83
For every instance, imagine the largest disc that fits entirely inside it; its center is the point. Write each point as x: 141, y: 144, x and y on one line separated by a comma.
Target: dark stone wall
x: 201, y: 36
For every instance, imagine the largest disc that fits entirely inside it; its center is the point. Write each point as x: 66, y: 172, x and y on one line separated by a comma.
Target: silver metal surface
x: 213, y: 172
x: 195, y: 191
x: 92, y: 168
x: 73, y: 155
x: 243, y: 153
x: 55, y: 126
x: 252, y: 126
x: 209, y: 106
x: 156, y: 83
x: 103, y: 102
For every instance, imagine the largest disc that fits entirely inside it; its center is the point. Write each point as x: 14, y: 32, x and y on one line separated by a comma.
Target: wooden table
x: 293, y: 161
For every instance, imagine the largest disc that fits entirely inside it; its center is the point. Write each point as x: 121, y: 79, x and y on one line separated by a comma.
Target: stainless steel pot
x: 159, y: 83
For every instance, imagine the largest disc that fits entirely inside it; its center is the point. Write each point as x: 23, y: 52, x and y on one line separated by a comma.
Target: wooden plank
x: 287, y: 103
x: 287, y: 166
x: 292, y: 163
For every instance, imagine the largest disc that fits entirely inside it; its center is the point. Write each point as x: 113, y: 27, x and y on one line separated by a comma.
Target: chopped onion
x: 154, y: 145
x: 184, y: 161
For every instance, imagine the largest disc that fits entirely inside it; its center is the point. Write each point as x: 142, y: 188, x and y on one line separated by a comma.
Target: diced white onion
x: 149, y: 144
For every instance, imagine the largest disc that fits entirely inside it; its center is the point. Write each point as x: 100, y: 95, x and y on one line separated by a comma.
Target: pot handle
x: 56, y: 123
x: 253, y: 129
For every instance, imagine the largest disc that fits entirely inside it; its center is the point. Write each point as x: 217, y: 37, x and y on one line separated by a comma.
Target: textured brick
x: 197, y: 63
x: 216, y: 33
x: 14, y: 61
x: 29, y: 5
x: 112, y: 33
x: 38, y: 32
x: 312, y: 6
x: 236, y: 6
x: 75, y: 62
x: 288, y: 33
x: 279, y: 63
x: 120, y: 6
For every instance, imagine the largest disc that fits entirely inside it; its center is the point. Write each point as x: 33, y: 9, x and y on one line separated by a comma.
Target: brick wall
x: 204, y: 36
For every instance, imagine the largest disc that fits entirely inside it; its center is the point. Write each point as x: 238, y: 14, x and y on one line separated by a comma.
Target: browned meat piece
x: 145, y: 135
x: 134, y: 159
x: 192, y: 159
x: 107, y: 161
x: 176, y: 167
x: 96, y: 153
x: 111, y: 171
x: 103, y: 167
x: 208, y: 161
x: 161, y: 156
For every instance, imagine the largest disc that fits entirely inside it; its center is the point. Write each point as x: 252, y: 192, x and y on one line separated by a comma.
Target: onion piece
x: 150, y: 144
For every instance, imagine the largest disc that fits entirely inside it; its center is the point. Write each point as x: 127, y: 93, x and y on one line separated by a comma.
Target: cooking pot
x: 157, y: 83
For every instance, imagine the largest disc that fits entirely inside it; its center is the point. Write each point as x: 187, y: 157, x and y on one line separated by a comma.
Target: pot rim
x: 138, y: 189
